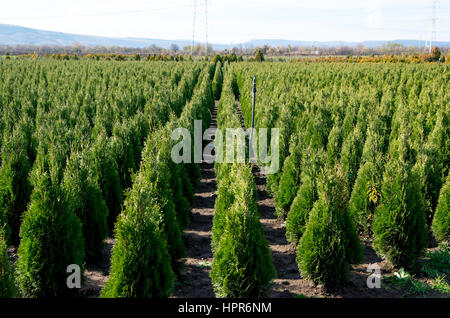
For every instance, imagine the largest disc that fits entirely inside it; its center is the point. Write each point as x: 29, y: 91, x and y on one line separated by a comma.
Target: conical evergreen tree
x: 157, y: 162
x: 366, y: 191
x: 329, y: 243
x: 289, y: 182
x: 108, y: 178
x: 84, y: 196
x: 122, y: 143
x: 312, y: 162
x: 224, y: 201
x: 217, y: 81
x: 352, y: 148
x: 298, y: 214
x: 399, y: 225
x: 334, y: 144
x: 435, y: 162
x: 441, y: 220
x: 242, y: 263
x: 287, y: 123
x: 186, y: 183
x: 15, y: 188
x: 182, y: 205
x: 51, y: 234
x: 140, y: 264
x: 365, y: 196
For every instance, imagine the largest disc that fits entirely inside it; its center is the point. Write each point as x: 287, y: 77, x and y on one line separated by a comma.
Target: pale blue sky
x: 233, y: 21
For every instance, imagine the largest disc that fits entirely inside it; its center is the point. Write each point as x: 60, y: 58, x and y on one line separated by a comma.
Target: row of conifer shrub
x: 242, y: 264
x: 148, y: 231
x: 87, y: 151
x: 384, y: 144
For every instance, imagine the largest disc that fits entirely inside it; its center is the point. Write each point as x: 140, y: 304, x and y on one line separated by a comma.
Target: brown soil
x: 194, y: 280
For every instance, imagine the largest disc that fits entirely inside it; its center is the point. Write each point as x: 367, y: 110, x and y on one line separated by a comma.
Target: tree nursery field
x: 92, y: 203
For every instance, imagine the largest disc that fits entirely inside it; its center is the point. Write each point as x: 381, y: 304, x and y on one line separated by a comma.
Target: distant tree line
x: 199, y: 50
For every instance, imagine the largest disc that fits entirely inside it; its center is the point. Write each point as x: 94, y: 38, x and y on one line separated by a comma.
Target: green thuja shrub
x: 124, y: 152
x: 156, y: 165
x: 242, y: 263
x: 441, y: 220
x: 273, y: 182
x: 84, y: 196
x: 182, y: 205
x: 217, y: 81
x: 289, y: 182
x: 186, y: 183
x: 287, y: 124
x: 140, y: 264
x: 51, y: 234
x: 399, y: 224
x: 366, y: 192
x: 330, y: 243
x: 224, y: 200
x: 311, y: 165
x: 334, y: 144
x: 352, y: 148
x: 298, y: 214
x: 7, y: 280
x: 15, y: 188
x: 365, y: 196
x: 435, y: 158
x: 193, y: 171
x: 108, y: 178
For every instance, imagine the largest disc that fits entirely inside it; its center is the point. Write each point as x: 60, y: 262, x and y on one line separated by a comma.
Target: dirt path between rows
x: 288, y: 282
x: 194, y: 280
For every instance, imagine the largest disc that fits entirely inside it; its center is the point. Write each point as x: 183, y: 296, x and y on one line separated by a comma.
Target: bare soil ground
x: 97, y: 274
x: 194, y: 280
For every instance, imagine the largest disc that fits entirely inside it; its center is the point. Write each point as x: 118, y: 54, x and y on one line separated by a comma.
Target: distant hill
x: 18, y: 35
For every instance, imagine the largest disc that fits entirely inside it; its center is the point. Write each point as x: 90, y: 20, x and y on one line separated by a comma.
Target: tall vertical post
x: 252, y: 155
x: 253, y: 101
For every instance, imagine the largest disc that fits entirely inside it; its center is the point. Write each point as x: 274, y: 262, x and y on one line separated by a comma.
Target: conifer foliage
x: 441, y: 220
x: 7, y: 279
x: 15, y: 187
x: 140, y: 264
x: 84, y: 196
x: 108, y: 178
x: 329, y: 244
x: 399, y: 226
x: 217, y: 81
x: 148, y: 231
x: 51, y: 234
x: 242, y: 262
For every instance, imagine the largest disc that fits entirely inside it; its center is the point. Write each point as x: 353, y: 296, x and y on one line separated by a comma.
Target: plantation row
x: 73, y: 138
x: 148, y: 231
x: 242, y: 261
x: 364, y: 150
